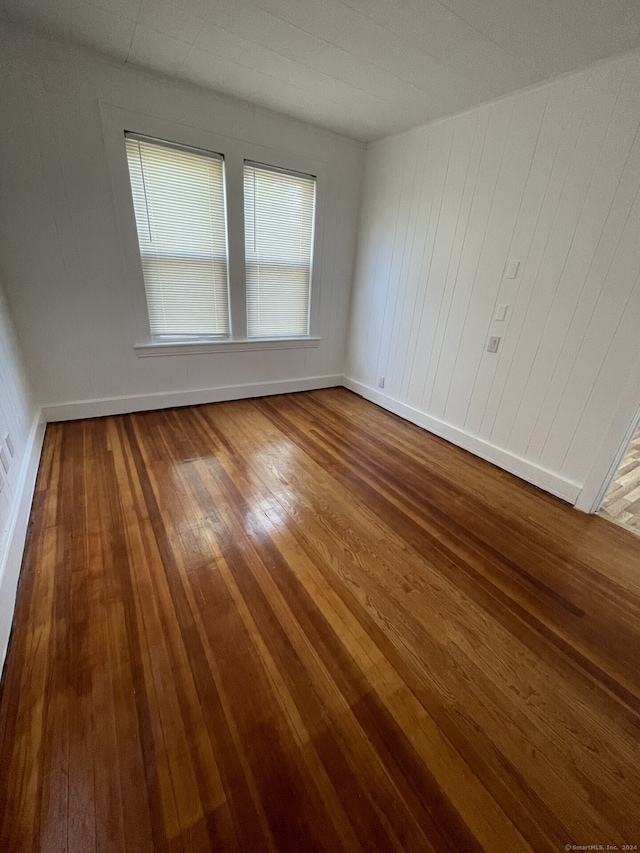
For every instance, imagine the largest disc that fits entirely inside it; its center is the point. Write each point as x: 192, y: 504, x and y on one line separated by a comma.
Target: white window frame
x: 115, y: 122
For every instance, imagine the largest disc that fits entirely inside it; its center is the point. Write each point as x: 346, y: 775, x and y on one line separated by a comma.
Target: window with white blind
x: 180, y: 211
x: 279, y: 212
x: 210, y: 284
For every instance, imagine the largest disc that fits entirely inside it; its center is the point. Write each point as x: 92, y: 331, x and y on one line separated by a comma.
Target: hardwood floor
x: 622, y: 501
x: 302, y: 624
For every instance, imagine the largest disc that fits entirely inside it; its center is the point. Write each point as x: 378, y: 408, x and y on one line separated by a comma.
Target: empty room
x: 319, y: 354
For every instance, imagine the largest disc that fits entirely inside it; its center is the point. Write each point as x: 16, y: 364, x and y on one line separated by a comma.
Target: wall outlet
x: 380, y: 381
x: 4, y: 460
x: 10, y: 446
x: 493, y: 344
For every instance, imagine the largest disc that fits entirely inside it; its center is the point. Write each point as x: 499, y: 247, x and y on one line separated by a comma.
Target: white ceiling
x: 365, y: 68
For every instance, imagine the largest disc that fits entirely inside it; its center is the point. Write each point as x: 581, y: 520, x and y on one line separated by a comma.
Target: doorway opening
x: 621, y: 503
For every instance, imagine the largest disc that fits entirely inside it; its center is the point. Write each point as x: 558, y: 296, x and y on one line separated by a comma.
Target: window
x: 279, y: 212
x: 179, y: 204
x: 225, y: 242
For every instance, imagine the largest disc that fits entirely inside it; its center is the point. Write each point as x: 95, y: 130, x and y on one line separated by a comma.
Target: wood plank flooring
x: 622, y: 500
x: 301, y: 624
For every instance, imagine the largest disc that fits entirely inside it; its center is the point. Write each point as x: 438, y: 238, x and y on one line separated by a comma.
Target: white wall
x: 549, y: 177
x: 66, y: 276
x: 19, y: 420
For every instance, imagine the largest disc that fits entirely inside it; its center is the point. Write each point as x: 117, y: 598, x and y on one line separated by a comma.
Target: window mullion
x: 235, y: 220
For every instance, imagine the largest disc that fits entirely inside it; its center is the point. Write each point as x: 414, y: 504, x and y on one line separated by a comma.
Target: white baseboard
x: 11, y: 560
x: 147, y: 402
x: 532, y: 473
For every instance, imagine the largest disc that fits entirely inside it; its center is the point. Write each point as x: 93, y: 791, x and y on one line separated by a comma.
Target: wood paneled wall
x: 18, y: 421
x: 549, y: 177
x: 16, y: 414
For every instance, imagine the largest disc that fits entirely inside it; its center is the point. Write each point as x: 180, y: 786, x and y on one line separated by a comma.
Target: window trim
x: 235, y: 151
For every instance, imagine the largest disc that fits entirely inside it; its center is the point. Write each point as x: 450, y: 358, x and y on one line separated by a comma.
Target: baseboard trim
x: 547, y: 480
x: 147, y: 402
x: 11, y: 561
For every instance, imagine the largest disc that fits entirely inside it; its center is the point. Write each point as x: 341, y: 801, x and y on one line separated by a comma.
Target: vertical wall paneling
x: 426, y: 230
x: 462, y: 292
x: 469, y: 134
x: 15, y: 416
x: 549, y: 177
x: 487, y: 393
x: 604, y: 218
x: 19, y: 420
x: 537, y: 285
x: 558, y: 282
x: 517, y: 155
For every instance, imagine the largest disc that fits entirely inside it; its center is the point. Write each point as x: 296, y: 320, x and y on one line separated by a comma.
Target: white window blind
x: 179, y: 202
x: 279, y: 210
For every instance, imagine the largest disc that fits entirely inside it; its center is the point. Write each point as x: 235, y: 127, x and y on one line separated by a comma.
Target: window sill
x: 202, y: 347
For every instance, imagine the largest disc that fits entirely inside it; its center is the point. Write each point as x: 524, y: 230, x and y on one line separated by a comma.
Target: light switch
x: 501, y: 312
x: 493, y: 344
x: 512, y: 269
